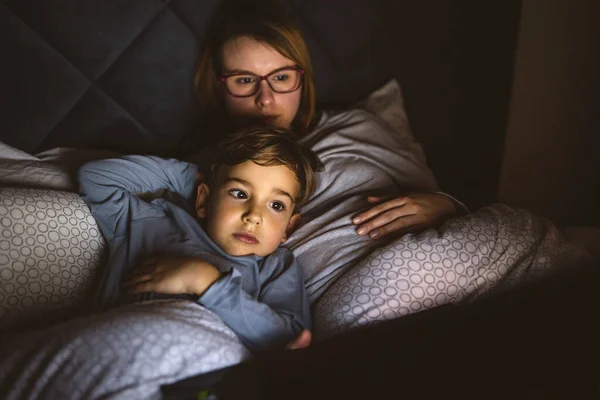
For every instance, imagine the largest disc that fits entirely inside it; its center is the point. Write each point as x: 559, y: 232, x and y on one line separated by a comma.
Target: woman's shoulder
x: 352, y: 124
x: 347, y: 116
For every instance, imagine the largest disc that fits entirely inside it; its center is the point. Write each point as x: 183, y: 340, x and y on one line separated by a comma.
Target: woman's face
x: 244, y: 54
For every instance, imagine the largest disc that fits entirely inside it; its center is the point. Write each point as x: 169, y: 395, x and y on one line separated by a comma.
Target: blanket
x: 124, y: 353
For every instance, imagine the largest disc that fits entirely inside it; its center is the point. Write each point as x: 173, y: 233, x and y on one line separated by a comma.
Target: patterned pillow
x: 496, y: 247
x: 50, y: 249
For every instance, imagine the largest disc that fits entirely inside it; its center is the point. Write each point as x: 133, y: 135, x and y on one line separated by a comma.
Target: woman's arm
x: 414, y: 212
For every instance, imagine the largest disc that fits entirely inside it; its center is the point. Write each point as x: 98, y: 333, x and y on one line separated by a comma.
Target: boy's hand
x: 172, y: 275
x: 301, y: 341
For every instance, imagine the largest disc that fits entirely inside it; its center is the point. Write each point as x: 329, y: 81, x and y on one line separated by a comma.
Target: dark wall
x: 552, y: 160
x: 454, y: 61
x: 470, y: 160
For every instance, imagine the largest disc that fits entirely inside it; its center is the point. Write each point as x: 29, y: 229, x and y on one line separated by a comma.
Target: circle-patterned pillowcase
x: 496, y: 247
x: 50, y: 249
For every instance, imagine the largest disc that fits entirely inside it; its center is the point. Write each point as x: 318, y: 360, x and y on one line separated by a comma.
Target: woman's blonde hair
x: 266, y: 24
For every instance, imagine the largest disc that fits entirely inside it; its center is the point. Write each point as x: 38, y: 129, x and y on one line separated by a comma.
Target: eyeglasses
x: 282, y: 80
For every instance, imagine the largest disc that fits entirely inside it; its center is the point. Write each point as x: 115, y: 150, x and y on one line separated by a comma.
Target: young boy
x: 230, y: 262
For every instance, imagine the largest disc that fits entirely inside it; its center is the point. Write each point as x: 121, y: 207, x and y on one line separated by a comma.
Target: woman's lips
x: 257, y: 119
x: 269, y: 118
x: 246, y: 238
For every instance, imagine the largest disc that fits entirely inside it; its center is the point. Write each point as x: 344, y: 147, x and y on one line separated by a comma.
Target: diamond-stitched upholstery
x: 124, y: 73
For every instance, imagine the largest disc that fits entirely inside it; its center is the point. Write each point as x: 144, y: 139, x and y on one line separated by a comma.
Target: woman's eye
x: 245, y: 80
x: 280, y: 78
x: 277, y: 206
x: 238, y: 194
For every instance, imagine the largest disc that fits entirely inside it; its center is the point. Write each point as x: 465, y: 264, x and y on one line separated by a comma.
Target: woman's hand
x: 172, y: 275
x: 412, y: 213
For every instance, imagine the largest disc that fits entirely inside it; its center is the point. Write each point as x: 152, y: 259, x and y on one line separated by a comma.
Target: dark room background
x: 551, y: 162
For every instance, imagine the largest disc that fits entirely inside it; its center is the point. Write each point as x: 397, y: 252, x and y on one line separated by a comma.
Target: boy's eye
x: 238, y: 194
x: 278, y: 206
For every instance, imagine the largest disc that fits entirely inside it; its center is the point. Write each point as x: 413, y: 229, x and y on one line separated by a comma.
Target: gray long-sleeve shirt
x: 262, y: 299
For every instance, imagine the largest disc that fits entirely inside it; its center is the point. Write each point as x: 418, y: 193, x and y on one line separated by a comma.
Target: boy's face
x: 250, y: 208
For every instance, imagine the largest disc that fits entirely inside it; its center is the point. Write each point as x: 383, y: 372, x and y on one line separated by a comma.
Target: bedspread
x: 124, y: 353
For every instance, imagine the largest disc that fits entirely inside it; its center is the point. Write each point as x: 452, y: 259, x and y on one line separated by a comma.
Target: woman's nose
x: 265, y: 94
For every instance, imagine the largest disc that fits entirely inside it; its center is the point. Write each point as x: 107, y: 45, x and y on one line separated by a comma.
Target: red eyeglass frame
x: 262, y: 78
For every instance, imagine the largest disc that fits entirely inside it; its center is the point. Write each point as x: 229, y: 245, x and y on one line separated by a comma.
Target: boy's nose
x: 253, y: 217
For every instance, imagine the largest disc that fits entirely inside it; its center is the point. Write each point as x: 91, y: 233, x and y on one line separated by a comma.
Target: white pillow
x: 387, y: 103
x: 53, y: 169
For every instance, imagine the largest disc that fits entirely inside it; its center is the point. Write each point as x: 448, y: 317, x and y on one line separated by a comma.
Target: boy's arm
x: 108, y: 186
x: 277, y: 317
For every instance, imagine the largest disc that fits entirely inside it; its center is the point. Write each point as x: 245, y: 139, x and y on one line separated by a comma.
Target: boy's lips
x: 246, y: 237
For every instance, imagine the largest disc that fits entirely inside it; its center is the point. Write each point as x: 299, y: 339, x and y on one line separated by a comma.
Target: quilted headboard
x: 118, y: 74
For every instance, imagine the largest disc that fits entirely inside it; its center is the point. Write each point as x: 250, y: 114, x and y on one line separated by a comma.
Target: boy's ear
x: 292, y: 226
x: 202, y: 200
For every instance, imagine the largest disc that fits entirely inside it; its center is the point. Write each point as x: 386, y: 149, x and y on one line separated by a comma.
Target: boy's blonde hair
x: 269, y: 146
x: 268, y: 25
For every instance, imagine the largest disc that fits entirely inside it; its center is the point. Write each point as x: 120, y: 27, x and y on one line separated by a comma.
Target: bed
x: 88, y: 79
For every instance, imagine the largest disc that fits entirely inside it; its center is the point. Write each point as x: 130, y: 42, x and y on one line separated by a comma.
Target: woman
x: 373, y: 193
x: 256, y: 68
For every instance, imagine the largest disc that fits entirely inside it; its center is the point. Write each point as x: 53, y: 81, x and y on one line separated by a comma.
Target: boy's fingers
x: 301, y: 341
x: 142, y: 287
x: 375, y: 199
x: 145, y: 270
x: 134, y: 279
